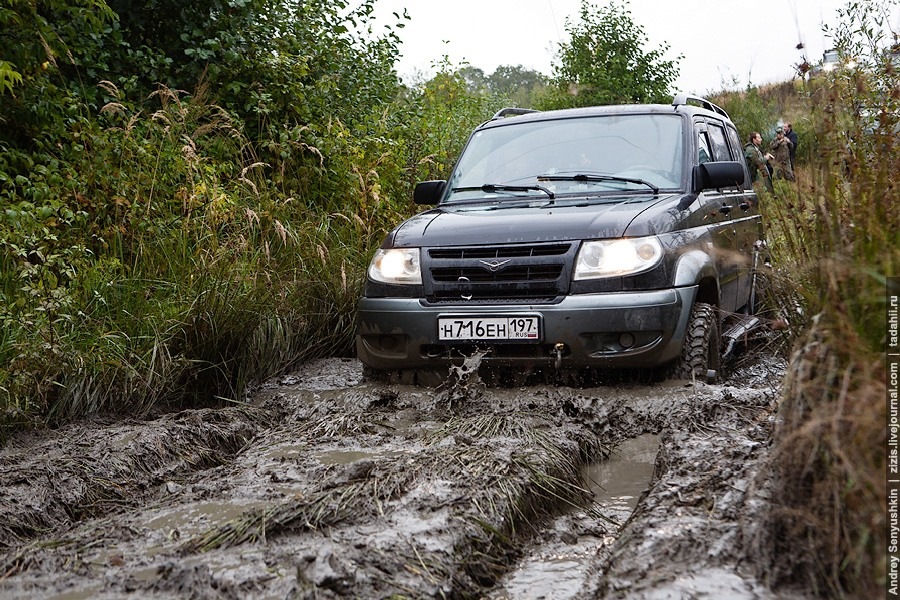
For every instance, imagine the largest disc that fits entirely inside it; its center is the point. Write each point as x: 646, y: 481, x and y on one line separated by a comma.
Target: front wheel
x: 700, y: 351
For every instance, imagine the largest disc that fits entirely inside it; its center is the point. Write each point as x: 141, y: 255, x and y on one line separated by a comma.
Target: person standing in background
x: 781, y: 150
x: 790, y: 134
x: 757, y: 162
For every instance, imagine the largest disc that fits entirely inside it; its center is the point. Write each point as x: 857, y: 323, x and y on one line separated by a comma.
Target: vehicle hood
x: 480, y: 224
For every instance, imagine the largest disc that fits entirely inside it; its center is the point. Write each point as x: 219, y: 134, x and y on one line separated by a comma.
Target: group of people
x: 778, y: 162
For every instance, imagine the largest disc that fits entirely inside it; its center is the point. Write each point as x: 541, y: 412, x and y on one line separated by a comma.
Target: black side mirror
x: 715, y: 175
x: 429, y: 192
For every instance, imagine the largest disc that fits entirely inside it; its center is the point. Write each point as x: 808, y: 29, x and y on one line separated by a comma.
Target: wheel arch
x: 697, y: 268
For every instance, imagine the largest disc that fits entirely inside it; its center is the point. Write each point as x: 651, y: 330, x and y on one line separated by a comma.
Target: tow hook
x: 557, y: 354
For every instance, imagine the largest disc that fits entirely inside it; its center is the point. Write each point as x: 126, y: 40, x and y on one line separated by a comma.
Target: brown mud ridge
x: 327, y: 486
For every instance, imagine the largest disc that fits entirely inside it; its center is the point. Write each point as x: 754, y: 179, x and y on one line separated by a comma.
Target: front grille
x: 533, y: 273
x: 517, y: 273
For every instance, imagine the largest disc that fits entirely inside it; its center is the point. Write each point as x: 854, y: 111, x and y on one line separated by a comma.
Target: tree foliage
x: 520, y: 86
x: 42, y: 44
x: 447, y: 100
x: 288, y: 60
x: 509, y: 80
x: 36, y: 35
x: 604, y: 62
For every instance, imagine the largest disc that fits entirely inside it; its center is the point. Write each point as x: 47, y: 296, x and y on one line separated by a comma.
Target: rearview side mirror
x: 429, y: 192
x: 715, y: 175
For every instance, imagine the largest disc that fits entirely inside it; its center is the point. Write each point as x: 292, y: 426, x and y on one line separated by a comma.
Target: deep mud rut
x: 327, y: 486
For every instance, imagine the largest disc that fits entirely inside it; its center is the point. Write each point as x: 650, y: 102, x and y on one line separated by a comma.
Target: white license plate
x: 489, y: 328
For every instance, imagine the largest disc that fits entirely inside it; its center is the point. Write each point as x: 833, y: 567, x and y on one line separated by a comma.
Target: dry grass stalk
x: 830, y: 497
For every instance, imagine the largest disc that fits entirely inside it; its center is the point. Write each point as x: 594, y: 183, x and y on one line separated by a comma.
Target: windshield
x: 631, y: 152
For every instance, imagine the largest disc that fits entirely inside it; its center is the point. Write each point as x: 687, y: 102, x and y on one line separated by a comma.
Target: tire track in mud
x: 330, y: 487
x: 54, y: 479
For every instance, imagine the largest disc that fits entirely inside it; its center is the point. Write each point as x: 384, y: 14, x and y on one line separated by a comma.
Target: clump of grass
x: 831, y: 489
x: 329, y: 507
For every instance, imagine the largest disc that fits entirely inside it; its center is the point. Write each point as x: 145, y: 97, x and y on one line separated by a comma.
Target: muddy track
x: 329, y: 486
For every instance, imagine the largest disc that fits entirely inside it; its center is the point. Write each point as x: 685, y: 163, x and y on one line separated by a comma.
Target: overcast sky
x: 750, y: 41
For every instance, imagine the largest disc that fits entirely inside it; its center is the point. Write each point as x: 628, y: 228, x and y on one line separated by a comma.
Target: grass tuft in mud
x: 353, y: 501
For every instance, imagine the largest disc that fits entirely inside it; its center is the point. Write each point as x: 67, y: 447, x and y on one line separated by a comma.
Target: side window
x: 719, y: 145
x: 735, y: 141
x: 703, y: 151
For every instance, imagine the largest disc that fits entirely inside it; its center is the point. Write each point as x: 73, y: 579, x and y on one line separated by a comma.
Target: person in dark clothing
x: 757, y: 162
x: 790, y: 134
x: 781, y: 149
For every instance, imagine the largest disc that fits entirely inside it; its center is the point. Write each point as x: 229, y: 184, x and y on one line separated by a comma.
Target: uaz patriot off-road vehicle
x: 596, y: 238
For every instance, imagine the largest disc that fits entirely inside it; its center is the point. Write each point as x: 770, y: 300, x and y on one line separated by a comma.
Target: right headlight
x: 396, y: 265
x: 613, y: 258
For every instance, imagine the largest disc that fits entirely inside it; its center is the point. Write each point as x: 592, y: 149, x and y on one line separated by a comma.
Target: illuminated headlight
x: 396, y: 265
x: 608, y: 258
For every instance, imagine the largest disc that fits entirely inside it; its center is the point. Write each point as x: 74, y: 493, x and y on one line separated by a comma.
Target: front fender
x: 694, y: 266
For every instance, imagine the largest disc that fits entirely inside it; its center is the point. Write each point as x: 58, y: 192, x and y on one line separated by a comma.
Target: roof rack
x: 511, y: 112
x: 685, y: 99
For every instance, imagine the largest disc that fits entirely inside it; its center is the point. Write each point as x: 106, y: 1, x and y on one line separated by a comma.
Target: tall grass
x: 835, y: 235
x: 171, y: 261
x: 179, y: 274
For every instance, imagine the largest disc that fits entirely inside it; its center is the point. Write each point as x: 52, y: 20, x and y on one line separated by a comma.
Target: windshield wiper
x: 490, y: 188
x: 585, y: 177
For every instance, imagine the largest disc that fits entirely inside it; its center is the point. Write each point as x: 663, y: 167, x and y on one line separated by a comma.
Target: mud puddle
x: 329, y: 486
x: 617, y: 482
x: 559, y: 567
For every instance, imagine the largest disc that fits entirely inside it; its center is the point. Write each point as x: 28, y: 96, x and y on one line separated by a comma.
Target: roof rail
x: 511, y: 112
x: 684, y: 99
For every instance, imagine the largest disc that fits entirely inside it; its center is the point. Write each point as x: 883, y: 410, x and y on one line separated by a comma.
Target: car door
x: 719, y: 207
x: 745, y: 217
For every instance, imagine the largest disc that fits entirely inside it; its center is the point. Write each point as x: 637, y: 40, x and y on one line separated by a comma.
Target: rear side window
x: 735, y: 141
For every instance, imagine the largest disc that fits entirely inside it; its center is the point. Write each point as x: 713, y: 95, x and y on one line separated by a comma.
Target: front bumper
x: 610, y: 330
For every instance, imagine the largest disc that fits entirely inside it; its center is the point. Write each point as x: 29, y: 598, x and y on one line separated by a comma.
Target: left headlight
x: 611, y: 258
x: 396, y: 265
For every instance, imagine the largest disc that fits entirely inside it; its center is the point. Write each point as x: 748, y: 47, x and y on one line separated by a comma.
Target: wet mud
x: 327, y: 485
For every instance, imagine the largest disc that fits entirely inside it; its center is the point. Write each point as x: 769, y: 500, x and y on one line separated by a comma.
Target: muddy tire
x: 700, y: 352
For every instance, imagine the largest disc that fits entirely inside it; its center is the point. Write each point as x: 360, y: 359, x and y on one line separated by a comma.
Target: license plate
x: 489, y: 328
